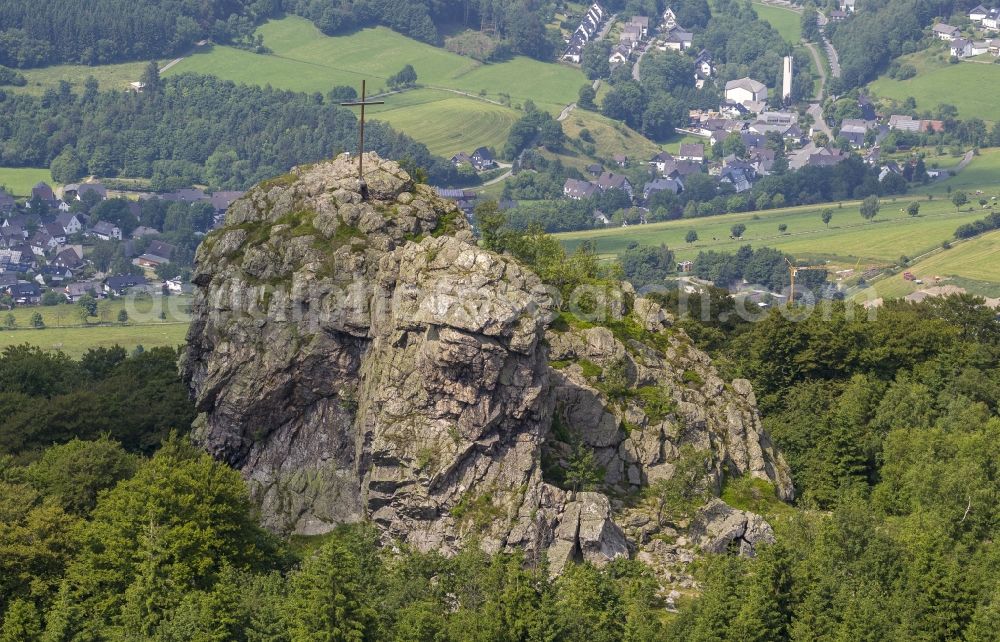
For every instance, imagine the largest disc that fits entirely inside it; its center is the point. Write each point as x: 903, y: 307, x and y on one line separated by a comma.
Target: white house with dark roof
x: 992, y: 19
x: 946, y: 32
x: 960, y: 48
x: 69, y: 222
x: 610, y: 180
x: 694, y: 152
x: 746, y: 90
x: 977, y: 13
x: 106, y: 231
x: 577, y: 189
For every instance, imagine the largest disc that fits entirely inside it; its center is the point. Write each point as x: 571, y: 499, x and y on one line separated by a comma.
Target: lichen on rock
x: 366, y: 360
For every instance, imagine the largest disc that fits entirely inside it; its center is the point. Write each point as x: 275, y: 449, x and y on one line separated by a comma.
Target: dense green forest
x: 191, y: 129
x: 38, y: 33
x: 113, y: 528
x: 889, y: 28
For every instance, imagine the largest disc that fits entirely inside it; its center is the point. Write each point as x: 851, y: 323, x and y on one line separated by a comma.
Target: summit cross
x: 362, y: 186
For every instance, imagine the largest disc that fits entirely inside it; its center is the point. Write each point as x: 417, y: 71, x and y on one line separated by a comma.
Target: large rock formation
x: 365, y: 359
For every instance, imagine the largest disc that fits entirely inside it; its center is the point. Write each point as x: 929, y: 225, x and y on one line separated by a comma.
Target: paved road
x: 499, y: 178
x: 564, y: 114
x: 831, y: 53
x: 817, y: 113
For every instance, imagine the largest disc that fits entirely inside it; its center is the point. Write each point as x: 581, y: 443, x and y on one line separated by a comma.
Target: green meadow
x: 455, y: 108
x: 76, y: 341
x: 66, y: 330
x: 785, y: 21
x: 965, y: 85
x: 20, y: 180
x: 304, y: 59
x: 973, y: 265
x: 116, y: 76
x: 847, y: 240
x: 433, y: 116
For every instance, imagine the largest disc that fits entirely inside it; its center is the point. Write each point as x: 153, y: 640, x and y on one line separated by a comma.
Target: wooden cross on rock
x: 362, y: 185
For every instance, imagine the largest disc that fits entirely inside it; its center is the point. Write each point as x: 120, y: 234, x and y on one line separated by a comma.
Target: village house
x: 643, y: 23
x: 119, y: 285
x: 621, y: 160
x: 106, y: 231
x: 660, y: 161
x: 610, y: 180
x: 677, y: 39
x: 589, y: 25
x: 703, y: 68
x: 223, y: 199
x: 157, y: 253
x: 482, y: 159
x: 903, y: 123
x: 7, y: 203
x: 746, y: 90
x: 960, y: 48
x: 854, y: 130
x: 946, y: 32
x: 992, y: 19
x: 578, y: 190
x: 977, y: 13
x: 69, y: 223
x: 847, y: 6
x: 25, y: 293
x: 661, y: 185
x: 75, y: 291
x: 69, y: 258
x: 838, y: 15
x: 694, y: 152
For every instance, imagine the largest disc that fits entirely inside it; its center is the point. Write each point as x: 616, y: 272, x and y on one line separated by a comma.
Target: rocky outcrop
x: 638, y: 392
x: 365, y: 359
x: 718, y: 528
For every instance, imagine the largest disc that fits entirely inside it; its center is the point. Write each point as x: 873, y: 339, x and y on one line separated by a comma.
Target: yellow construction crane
x: 795, y: 269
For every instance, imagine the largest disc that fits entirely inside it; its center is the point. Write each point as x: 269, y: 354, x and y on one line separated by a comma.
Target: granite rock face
x: 365, y: 359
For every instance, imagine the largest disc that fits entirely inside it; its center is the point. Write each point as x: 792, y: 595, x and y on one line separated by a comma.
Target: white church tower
x: 786, y: 85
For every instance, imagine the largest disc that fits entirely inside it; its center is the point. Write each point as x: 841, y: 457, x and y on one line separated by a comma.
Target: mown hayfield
x: 610, y: 138
x: 785, y: 21
x: 116, y: 76
x: 76, y: 341
x: 430, y: 116
x: 141, y: 311
x: 966, y: 85
x: 20, y: 180
x: 848, y: 238
x: 983, y: 173
x: 973, y: 264
x: 304, y: 59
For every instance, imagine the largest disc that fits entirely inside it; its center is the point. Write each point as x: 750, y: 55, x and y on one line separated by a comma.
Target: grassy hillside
x: 983, y: 173
x: 432, y: 117
x: 304, y: 59
x: 20, y: 180
x: 66, y: 331
x: 785, y: 21
x: 610, y: 137
x: 972, y: 265
x: 76, y: 341
x: 849, y: 238
x: 108, y: 76
x: 963, y: 85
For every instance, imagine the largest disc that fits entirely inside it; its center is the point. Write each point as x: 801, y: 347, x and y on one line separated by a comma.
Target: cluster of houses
x: 590, y: 25
x: 638, y: 34
x: 670, y: 172
x: 963, y: 47
x: 35, y: 256
x: 481, y: 159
